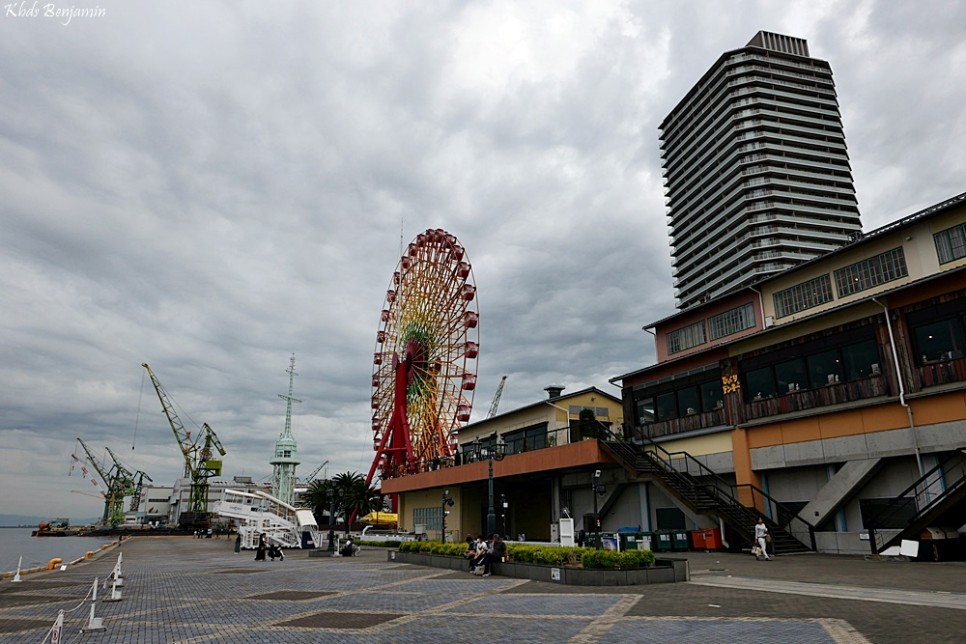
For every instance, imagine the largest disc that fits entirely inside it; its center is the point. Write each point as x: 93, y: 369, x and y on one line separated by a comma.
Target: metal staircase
x: 704, y: 492
x: 937, y: 499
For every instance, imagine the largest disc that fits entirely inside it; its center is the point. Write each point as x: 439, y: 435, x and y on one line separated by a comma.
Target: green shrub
x: 613, y: 560
x: 378, y: 544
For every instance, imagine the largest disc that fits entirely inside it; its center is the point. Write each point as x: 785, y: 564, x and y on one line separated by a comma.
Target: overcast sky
x: 210, y: 187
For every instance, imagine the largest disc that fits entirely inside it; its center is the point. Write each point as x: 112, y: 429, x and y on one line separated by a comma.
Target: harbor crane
x: 199, y: 464
x: 311, y: 477
x: 496, y: 399
x: 136, y: 481
x: 117, y: 482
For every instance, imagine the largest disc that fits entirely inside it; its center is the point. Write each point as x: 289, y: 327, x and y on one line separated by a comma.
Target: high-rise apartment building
x: 756, y: 170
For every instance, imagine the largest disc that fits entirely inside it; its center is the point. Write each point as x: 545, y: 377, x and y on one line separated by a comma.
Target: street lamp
x: 447, y: 503
x: 330, y: 492
x: 595, y: 490
x: 498, y: 451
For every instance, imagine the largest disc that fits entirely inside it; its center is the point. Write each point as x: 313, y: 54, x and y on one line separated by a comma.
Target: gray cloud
x: 211, y: 186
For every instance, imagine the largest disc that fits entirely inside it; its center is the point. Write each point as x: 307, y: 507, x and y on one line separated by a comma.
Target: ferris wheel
x: 424, y: 363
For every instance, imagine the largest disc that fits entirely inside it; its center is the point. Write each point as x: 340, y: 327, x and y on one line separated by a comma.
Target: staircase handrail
x: 919, y: 494
x: 777, y: 512
x: 780, y: 514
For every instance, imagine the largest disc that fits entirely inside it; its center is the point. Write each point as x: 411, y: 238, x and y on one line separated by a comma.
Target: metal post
x: 330, y: 492
x: 503, y: 516
x: 490, y: 514
x: 447, y: 503
x: 594, y: 492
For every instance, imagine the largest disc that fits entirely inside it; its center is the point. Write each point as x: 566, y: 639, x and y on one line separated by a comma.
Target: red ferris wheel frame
x: 424, y: 363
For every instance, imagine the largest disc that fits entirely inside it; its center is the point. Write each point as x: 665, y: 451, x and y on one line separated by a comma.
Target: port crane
x: 117, y: 482
x: 199, y: 464
x: 136, y: 481
x: 311, y: 477
x: 496, y: 399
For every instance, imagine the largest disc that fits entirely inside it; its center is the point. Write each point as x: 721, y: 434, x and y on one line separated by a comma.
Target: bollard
x: 94, y: 623
x: 16, y: 578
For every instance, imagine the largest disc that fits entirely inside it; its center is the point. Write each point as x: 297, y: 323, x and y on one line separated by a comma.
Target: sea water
x: 38, y: 551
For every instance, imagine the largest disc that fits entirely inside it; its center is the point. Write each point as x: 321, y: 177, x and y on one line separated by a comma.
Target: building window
x: 687, y: 398
x: 686, y: 337
x: 939, y: 331
x: 731, y: 321
x: 528, y: 438
x: 432, y: 518
x: 803, y: 296
x: 890, y: 265
x: 599, y: 412
x: 951, y: 243
x: 820, y: 366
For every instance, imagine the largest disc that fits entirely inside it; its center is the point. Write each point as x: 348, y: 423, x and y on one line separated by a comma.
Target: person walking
x: 761, y: 538
x: 260, y: 550
x: 238, y: 543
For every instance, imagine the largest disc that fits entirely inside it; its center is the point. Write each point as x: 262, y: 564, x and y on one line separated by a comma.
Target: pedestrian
x: 238, y: 543
x: 260, y: 549
x: 762, y: 538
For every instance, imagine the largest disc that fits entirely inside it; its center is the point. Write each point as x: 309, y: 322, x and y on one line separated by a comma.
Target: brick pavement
x: 179, y: 589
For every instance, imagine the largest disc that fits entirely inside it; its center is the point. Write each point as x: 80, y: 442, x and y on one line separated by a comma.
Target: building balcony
x: 831, y: 394
x: 577, y: 455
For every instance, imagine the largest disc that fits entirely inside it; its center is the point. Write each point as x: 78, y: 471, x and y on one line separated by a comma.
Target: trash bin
x: 628, y: 540
x: 662, y: 541
x: 635, y: 540
x: 707, y: 539
x: 645, y: 541
x: 679, y: 541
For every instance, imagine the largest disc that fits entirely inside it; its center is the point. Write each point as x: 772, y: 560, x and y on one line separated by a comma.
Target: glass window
x: 939, y: 340
x: 890, y: 265
x: 824, y: 368
x: 803, y: 296
x: 712, y: 396
x: 861, y: 360
x: 689, y: 401
x: 759, y: 383
x: 733, y: 321
x: 667, y: 406
x: 686, y: 338
x: 951, y: 243
x: 646, y: 410
x: 790, y: 376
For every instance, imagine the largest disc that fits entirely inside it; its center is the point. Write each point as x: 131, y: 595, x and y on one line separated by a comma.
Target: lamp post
x: 497, y: 452
x: 330, y: 492
x: 595, y: 490
x: 447, y: 503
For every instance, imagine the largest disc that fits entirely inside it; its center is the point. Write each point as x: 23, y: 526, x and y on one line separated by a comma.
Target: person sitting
x: 470, y: 552
x: 478, y: 558
x: 349, y: 549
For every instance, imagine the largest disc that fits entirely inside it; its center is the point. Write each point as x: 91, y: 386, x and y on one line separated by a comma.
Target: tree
x: 587, y: 423
x: 352, y: 495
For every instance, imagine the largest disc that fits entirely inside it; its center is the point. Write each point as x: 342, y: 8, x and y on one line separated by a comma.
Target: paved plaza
x: 180, y: 589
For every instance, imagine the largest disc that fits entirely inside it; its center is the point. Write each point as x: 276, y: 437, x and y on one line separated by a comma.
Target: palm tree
x: 354, y: 496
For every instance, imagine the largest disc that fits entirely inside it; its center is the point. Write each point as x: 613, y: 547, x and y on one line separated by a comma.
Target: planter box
x: 664, y: 571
